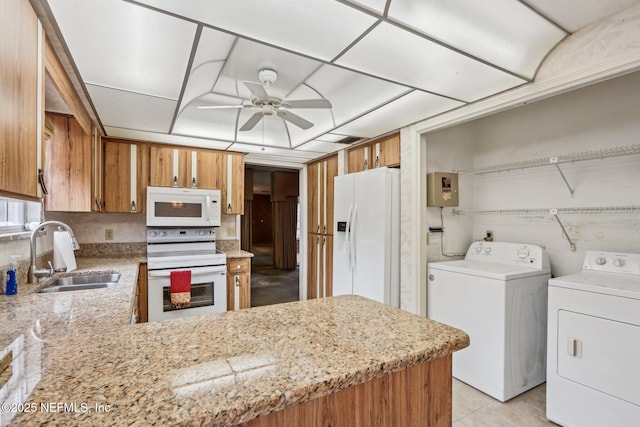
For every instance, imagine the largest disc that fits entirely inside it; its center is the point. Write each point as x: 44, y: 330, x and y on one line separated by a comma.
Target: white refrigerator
x: 366, y: 235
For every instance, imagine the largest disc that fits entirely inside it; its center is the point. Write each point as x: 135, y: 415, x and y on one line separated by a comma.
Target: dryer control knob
x: 601, y: 260
x: 487, y: 250
x: 618, y: 262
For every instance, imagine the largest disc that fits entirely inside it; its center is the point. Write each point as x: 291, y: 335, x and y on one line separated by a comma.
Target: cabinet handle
x: 98, y: 207
x: 366, y: 164
x: 229, y: 208
x: 133, y: 206
x: 193, y: 183
x: 324, y: 240
x: 377, y: 161
x: 41, y: 181
x: 175, y: 181
x: 318, y: 228
x: 236, y: 279
x: 325, y: 228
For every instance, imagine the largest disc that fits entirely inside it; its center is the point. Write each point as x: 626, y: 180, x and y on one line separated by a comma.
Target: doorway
x: 270, y: 231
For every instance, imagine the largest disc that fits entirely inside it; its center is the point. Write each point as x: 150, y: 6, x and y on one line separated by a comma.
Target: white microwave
x: 183, y: 207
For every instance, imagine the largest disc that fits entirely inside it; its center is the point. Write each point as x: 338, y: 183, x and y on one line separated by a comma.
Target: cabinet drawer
x: 239, y: 265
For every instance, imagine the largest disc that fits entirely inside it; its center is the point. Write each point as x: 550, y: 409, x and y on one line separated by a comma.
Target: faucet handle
x: 50, y: 267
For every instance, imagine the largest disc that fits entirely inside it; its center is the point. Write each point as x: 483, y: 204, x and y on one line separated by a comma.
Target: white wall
x: 593, y: 118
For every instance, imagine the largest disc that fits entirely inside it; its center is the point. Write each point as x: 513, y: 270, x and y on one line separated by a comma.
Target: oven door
x: 182, y: 207
x: 208, y: 293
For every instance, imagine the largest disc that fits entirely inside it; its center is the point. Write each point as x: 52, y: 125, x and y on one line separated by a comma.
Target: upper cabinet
x: 320, y: 186
x: 233, y: 184
x: 384, y: 151
x: 126, y: 176
x: 169, y: 167
x: 20, y: 91
x: 68, y: 166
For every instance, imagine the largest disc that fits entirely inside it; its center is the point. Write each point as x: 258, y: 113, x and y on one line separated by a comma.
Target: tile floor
x: 474, y: 408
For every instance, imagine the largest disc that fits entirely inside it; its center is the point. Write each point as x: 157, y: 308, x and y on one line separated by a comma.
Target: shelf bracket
x: 554, y: 161
x: 572, y: 245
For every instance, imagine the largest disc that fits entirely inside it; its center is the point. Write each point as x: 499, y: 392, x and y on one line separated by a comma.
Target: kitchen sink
x: 81, y: 282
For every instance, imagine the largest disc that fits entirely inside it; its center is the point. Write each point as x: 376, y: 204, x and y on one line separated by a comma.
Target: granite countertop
x: 238, y: 253
x: 218, y: 369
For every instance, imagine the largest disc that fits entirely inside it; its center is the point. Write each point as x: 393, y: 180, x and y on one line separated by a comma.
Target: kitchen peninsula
x: 333, y: 361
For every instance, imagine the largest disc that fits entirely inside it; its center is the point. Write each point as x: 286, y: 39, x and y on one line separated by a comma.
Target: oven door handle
x: 198, y: 272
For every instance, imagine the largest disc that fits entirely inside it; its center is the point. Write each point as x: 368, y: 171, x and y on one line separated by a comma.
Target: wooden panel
x: 332, y: 172
x: 68, y: 166
x: 284, y: 233
x: 313, y: 246
x: 97, y: 171
x: 390, y: 150
x: 161, y: 167
x: 246, y: 230
x: 117, y: 177
x: 328, y: 263
x: 65, y: 88
x: 283, y: 185
x: 419, y: 396
x: 209, y: 166
x: 238, y: 265
x: 248, y: 184
x: 143, y: 303
x: 356, y: 161
x: 142, y: 176
x: 313, y: 220
x: 20, y: 74
x: 245, y: 290
x: 237, y: 183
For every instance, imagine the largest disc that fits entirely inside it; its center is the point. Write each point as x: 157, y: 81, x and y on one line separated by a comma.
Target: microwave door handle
x: 167, y: 273
x: 207, y: 210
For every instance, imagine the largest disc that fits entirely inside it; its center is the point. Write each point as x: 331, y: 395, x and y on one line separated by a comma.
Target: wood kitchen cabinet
x: 68, y: 166
x: 233, y: 184
x: 21, y: 89
x: 320, y: 190
x: 169, y: 167
x: 141, y: 305
x: 126, y: 176
x: 238, y: 283
x: 384, y: 151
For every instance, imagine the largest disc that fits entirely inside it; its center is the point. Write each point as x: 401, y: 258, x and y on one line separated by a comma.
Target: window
x: 14, y: 214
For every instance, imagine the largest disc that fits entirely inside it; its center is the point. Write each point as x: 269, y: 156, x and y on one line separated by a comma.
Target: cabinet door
x: 390, y: 151
x: 233, y: 185
x: 358, y: 159
x: 330, y: 172
x: 68, y: 166
x: 21, y: 78
x: 169, y: 167
x: 238, y: 291
x: 313, y: 197
x: 207, y: 169
x: 313, y: 265
x: 126, y: 166
x: 327, y: 257
x: 97, y: 174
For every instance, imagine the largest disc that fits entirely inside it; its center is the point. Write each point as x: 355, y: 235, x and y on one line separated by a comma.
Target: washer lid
x: 617, y: 284
x: 488, y: 269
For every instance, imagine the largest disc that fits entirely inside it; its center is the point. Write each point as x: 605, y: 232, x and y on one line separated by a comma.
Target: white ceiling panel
x: 269, y: 131
x: 321, y: 146
x: 201, y: 80
x: 352, y: 93
x: 275, y: 151
x: 516, y: 39
x: 401, y: 112
x: 123, y: 46
x: 165, y: 138
x: 132, y: 110
x: 320, y: 28
x: 409, y: 59
x: 376, y: 6
x: 216, y: 123
x: 575, y: 14
x: 331, y: 137
x: 212, y: 46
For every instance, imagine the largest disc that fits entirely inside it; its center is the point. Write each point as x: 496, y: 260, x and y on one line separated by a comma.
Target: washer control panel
x: 517, y: 254
x: 614, y: 262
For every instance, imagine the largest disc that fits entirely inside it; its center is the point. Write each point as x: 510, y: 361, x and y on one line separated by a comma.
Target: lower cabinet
x: 320, y: 263
x: 141, y: 305
x: 238, y: 283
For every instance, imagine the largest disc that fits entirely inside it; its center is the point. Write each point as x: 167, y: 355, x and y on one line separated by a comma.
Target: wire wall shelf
x: 555, y: 212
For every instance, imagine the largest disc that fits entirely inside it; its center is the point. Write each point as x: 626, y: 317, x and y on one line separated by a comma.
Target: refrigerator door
x: 371, y: 233
x: 342, y: 211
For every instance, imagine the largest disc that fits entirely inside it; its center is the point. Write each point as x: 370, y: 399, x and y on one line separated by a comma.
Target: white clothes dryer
x: 594, y: 343
x: 498, y: 296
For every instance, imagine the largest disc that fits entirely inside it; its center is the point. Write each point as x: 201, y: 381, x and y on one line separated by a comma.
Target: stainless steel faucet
x: 34, y: 273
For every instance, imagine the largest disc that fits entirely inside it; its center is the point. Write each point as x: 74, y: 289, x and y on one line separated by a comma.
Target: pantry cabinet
x: 68, y: 166
x: 238, y: 283
x: 320, y: 190
x: 126, y: 176
x: 233, y: 184
x: 384, y: 151
x: 21, y: 90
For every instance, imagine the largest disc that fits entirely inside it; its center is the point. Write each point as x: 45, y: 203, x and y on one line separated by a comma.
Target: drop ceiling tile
x: 201, y: 81
x: 213, y: 46
x: 351, y: 93
x: 319, y: 28
x: 408, y: 59
x: 575, y: 14
x: 120, y: 45
x: 503, y: 32
x: 132, y: 110
x: 270, y: 130
x: 331, y: 137
x: 116, y: 132
x: 217, y: 123
x: 321, y: 146
x: 402, y: 112
x: 274, y: 151
x: 376, y: 6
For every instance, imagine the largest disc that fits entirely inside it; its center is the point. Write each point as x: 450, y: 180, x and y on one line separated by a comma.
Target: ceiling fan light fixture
x: 267, y: 76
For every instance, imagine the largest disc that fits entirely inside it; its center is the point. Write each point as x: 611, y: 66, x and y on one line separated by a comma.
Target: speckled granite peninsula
x: 287, y: 364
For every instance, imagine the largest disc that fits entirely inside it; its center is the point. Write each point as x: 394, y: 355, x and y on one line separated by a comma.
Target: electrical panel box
x: 442, y: 189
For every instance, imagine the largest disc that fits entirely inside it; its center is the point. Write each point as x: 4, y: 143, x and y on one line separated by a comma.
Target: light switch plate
x: 108, y: 234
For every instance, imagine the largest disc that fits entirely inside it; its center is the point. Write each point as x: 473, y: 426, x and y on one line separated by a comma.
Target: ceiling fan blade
x: 308, y: 103
x: 257, y: 90
x: 221, y: 107
x: 295, y: 119
x: 253, y: 120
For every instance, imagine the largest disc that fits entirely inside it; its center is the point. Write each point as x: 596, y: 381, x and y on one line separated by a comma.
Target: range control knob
x: 619, y: 262
x: 163, y: 233
x: 524, y: 252
x: 153, y: 234
x: 202, y: 232
x: 601, y: 260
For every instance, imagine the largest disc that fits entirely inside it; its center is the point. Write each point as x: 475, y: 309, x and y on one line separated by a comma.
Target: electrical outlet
x: 108, y: 234
x: 231, y: 231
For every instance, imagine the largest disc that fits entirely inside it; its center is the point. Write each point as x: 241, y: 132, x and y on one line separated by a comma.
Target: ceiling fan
x: 270, y: 102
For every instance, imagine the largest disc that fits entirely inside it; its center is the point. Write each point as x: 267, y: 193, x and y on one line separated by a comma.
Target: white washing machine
x: 498, y: 296
x: 593, y: 377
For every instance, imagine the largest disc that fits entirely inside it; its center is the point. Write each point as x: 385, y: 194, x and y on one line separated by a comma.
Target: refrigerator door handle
x: 352, y: 238
x: 347, y: 244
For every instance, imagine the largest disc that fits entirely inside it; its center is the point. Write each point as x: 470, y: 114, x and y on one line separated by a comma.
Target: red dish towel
x: 180, y: 288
